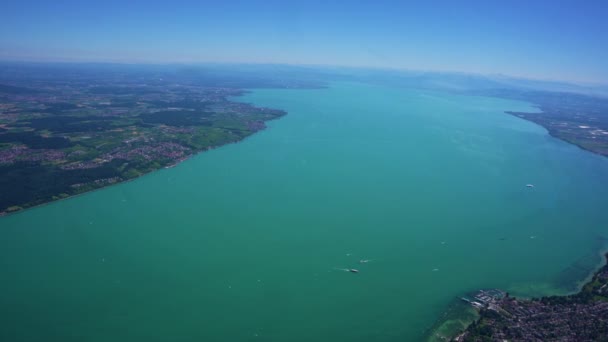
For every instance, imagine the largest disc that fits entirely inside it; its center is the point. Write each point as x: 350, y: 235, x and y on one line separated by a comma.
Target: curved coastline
x: 174, y: 163
x: 553, y: 134
x: 464, y: 319
x: 586, y: 287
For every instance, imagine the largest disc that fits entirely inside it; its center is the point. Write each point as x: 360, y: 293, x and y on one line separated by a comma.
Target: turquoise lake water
x: 247, y: 242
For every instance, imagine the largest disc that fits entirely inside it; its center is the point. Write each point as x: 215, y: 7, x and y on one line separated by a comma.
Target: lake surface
x: 247, y: 242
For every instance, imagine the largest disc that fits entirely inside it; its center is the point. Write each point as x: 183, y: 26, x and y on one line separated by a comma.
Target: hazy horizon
x: 589, y: 88
x: 524, y: 40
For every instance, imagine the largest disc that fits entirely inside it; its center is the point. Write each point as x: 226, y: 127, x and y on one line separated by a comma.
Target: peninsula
x: 578, y: 317
x: 578, y: 119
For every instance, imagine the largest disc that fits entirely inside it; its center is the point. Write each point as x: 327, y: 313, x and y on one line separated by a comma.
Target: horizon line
x: 579, y: 83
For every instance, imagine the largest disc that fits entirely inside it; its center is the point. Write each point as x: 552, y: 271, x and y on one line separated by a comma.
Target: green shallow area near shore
x: 581, y: 316
x: 249, y: 242
x: 456, y: 318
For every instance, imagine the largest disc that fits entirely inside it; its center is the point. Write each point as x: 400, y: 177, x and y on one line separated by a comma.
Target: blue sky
x: 558, y: 40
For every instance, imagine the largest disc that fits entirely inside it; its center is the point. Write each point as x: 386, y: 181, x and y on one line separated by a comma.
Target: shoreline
x: 7, y: 213
x: 482, y: 311
x: 552, y: 134
x: 580, y: 285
